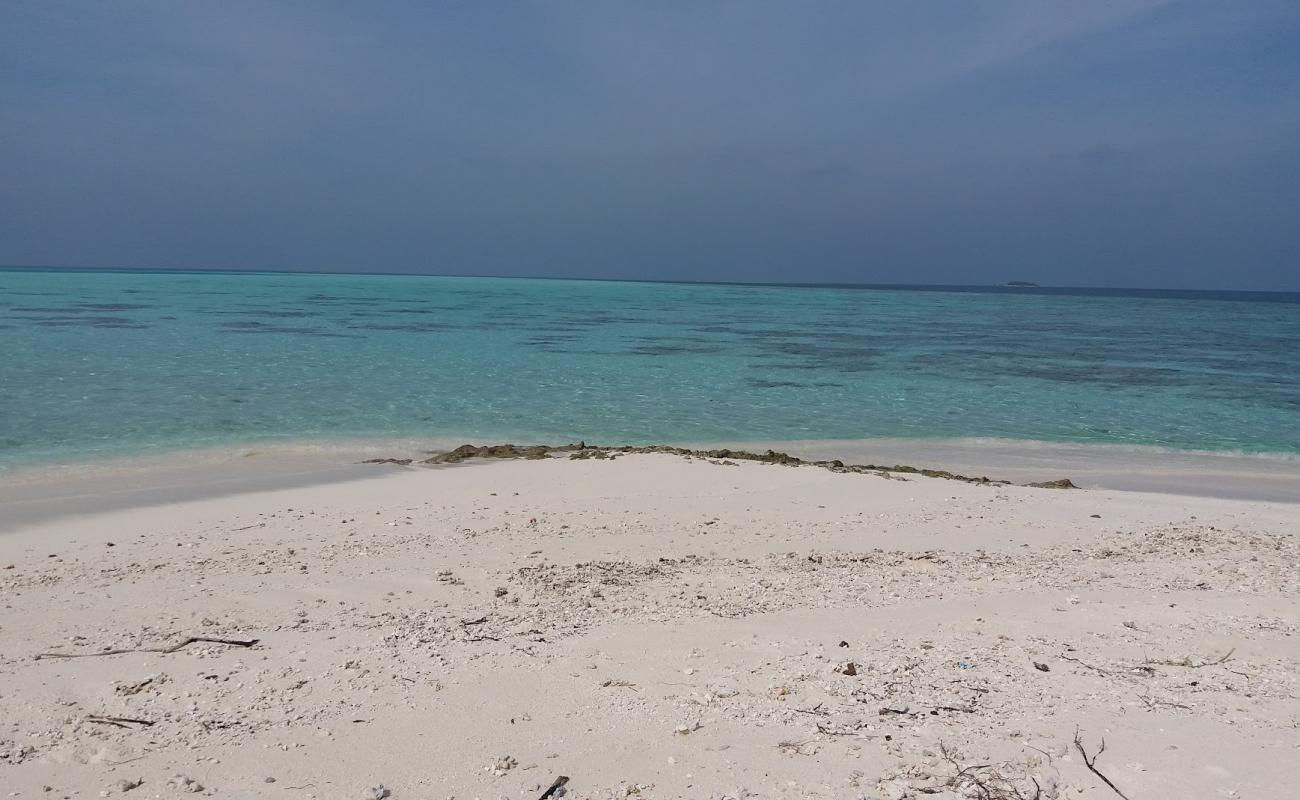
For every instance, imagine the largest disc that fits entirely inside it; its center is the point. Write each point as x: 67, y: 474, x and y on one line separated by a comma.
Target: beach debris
x: 993, y: 781
x: 804, y: 748
x: 691, y: 727
x: 124, y: 785
x: 501, y: 591
x: 582, y: 450
x: 1153, y: 704
x: 1187, y: 661
x: 843, y: 644
x: 1091, y: 762
x: 489, y: 451
x: 120, y: 722
x: 846, y: 668
x: 128, y: 689
x: 1041, y: 667
x: 401, y: 462
x: 185, y: 784
x: 1060, y: 483
x: 1098, y: 670
x: 376, y: 792
x: 501, y: 766
x: 556, y: 789
x: 172, y: 649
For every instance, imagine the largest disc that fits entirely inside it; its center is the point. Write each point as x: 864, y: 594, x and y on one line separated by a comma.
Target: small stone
x: 185, y: 784
x: 847, y: 668
x: 1041, y: 667
x: 501, y: 591
x: 126, y: 784
x: 268, y: 779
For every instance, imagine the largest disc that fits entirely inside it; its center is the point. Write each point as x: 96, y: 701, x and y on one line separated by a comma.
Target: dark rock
x: 582, y: 450
x: 1063, y: 483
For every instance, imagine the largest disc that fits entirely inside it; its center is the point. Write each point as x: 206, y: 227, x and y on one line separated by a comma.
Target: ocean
x: 117, y: 363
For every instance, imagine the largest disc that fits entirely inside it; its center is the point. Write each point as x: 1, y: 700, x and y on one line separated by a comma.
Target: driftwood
x: 120, y: 722
x: 1152, y: 704
x: 906, y: 711
x: 842, y: 730
x: 554, y: 788
x: 1187, y: 661
x: 983, y: 781
x: 172, y: 649
x: 1091, y: 763
x: 1099, y: 670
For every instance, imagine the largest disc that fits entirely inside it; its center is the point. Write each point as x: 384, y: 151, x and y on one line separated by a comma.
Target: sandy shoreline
x: 33, y: 494
x: 655, y: 626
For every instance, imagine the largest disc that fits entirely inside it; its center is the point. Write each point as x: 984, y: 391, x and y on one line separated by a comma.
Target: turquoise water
x: 117, y: 363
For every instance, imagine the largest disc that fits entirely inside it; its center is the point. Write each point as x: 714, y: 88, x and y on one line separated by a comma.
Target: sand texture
x: 654, y: 626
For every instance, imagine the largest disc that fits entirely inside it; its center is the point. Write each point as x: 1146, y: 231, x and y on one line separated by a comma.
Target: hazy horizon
x: 1010, y: 284
x: 1121, y: 144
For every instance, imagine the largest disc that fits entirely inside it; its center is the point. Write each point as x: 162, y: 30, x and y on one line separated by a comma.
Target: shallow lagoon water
x: 102, y: 364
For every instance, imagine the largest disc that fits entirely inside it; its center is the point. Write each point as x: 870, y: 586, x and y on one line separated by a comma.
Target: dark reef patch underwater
x: 124, y: 363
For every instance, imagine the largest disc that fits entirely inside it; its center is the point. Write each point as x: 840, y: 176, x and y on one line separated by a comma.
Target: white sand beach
x: 652, y: 626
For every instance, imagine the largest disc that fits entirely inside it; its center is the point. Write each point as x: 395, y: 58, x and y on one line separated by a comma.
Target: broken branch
x: 554, y: 788
x: 1091, y: 763
x: 172, y: 649
x: 119, y: 722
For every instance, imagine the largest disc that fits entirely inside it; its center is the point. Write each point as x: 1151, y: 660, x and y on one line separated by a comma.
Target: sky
x: 1130, y: 143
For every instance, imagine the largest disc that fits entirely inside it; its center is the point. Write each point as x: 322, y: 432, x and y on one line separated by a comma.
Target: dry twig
x: 985, y: 781
x: 119, y: 722
x: 172, y: 649
x: 1091, y: 763
x: 1186, y: 661
x: 554, y: 789
x: 1098, y: 670
x: 1152, y: 704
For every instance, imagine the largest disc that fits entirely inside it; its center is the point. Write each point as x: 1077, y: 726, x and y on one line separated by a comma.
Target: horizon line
x: 671, y: 281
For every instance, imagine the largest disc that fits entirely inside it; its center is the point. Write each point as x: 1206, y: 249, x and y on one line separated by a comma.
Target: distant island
x: 1020, y: 284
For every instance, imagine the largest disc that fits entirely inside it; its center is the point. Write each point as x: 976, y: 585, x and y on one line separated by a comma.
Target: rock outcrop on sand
x: 582, y: 450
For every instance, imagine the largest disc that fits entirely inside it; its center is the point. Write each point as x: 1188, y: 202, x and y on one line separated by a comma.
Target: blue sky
x: 1135, y: 143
